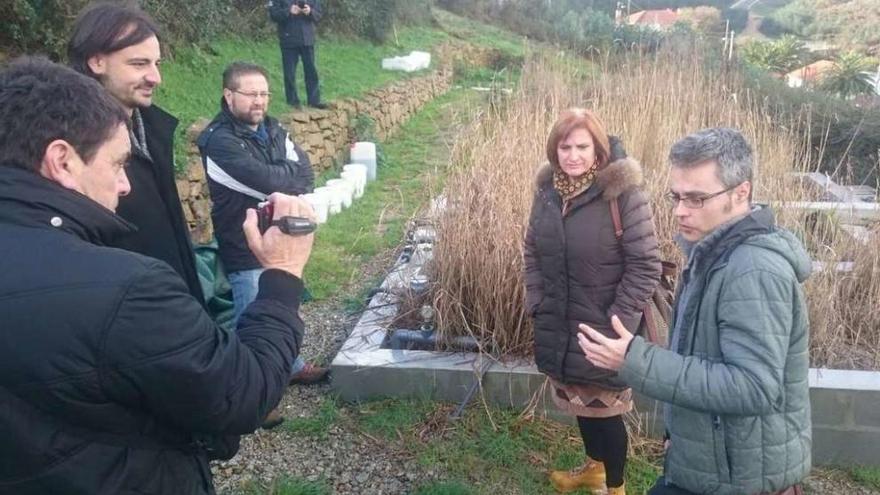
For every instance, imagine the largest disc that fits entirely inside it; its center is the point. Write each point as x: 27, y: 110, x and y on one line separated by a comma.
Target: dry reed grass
x: 650, y: 102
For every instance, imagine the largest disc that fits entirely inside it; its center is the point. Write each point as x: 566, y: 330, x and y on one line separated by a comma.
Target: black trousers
x: 605, y: 440
x: 290, y: 58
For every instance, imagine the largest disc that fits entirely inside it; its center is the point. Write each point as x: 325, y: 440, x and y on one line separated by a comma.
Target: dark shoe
x: 297, y: 105
x: 273, y: 419
x: 310, y: 374
x: 322, y: 106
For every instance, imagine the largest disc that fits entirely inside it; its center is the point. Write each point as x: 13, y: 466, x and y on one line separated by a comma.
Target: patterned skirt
x: 591, y: 401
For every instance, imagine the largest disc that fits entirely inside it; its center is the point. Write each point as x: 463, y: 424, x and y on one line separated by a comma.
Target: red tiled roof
x: 664, y: 18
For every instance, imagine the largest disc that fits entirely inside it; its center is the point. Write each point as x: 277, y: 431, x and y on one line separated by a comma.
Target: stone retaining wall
x: 326, y: 135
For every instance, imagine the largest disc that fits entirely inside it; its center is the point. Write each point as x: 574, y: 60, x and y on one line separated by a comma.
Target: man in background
x: 296, y: 21
x: 248, y: 156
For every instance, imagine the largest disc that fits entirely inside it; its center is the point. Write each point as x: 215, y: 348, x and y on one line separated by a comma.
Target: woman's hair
x: 579, y: 118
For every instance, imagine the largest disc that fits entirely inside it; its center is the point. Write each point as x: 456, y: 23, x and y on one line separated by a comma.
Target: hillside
x: 848, y: 24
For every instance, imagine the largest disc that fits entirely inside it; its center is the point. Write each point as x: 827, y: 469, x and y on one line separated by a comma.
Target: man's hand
x: 602, y: 351
x: 307, y: 10
x: 275, y: 249
x: 294, y: 9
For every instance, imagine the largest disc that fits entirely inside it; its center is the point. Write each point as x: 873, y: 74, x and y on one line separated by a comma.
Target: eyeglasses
x: 695, y: 202
x: 254, y: 95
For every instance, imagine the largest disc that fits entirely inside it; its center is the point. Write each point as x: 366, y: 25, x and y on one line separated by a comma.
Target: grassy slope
x: 191, y: 86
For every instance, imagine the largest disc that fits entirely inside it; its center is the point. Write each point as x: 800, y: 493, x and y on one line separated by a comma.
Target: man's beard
x: 251, y: 117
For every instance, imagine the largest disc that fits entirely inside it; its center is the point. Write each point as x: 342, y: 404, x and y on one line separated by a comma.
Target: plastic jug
x: 320, y: 203
x: 355, y: 179
x: 334, y: 199
x: 365, y: 153
x: 361, y: 172
x: 344, y: 188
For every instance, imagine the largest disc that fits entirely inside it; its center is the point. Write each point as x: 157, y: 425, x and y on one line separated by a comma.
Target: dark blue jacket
x: 295, y: 30
x: 242, y: 169
x: 111, y: 373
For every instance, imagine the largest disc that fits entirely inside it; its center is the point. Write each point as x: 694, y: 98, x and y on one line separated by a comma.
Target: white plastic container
x: 361, y: 172
x: 408, y: 63
x: 345, y: 188
x: 355, y: 179
x: 365, y: 153
x: 320, y: 202
x: 334, y: 199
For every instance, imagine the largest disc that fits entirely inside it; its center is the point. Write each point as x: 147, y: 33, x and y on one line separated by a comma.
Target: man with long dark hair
x: 119, y: 46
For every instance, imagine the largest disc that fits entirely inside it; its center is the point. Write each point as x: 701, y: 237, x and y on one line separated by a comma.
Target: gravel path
x: 347, y: 460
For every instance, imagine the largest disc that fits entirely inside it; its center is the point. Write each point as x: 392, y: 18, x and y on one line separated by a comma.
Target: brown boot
x: 620, y: 490
x: 273, y: 419
x: 309, y: 375
x: 590, y: 476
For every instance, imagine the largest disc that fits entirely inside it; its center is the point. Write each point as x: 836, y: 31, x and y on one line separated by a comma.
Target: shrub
x: 650, y: 101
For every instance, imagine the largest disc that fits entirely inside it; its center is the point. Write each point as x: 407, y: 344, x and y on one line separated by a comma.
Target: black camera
x: 301, y: 3
x: 287, y: 224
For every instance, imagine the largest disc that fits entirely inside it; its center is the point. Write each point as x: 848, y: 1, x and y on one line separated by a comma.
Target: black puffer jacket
x: 577, y: 271
x: 110, y: 371
x: 295, y: 30
x: 241, y: 172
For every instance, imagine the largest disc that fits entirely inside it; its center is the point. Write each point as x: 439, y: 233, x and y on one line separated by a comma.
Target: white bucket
x: 319, y: 202
x: 345, y: 188
x: 355, y: 179
x: 365, y: 153
x: 334, y: 198
x: 361, y: 171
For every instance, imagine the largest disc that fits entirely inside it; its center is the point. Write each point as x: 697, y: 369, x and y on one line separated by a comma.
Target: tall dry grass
x: 650, y: 102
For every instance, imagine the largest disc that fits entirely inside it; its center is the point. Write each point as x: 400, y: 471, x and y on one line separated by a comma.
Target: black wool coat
x: 153, y: 205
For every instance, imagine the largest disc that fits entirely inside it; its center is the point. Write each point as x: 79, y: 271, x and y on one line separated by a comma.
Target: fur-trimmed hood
x: 614, y: 179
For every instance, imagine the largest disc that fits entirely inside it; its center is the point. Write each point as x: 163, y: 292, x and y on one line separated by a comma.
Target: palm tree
x: 780, y: 56
x: 849, y: 77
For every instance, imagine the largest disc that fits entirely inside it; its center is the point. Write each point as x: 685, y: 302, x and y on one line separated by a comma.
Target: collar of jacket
x: 726, y: 237
x: 611, y: 181
x: 238, y: 127
x: 159, y: 126
x: 30, y: 200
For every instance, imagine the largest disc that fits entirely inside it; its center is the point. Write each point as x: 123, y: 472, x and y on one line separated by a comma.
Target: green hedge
x: 43, y: 26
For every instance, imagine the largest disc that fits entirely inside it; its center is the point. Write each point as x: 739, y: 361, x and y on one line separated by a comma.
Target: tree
x: 702, y: 19
x: 780, y: 56
x: 849, y: 77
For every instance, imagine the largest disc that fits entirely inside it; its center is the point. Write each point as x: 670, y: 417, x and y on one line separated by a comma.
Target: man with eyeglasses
x: 247, y: 156
x: 734, y: 379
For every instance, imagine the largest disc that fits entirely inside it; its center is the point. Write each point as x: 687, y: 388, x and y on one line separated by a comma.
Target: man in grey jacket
x: 734, y: 379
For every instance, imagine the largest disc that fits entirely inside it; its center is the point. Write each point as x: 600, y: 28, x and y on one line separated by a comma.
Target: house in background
x: 808, y: 75
x: 661, y: 20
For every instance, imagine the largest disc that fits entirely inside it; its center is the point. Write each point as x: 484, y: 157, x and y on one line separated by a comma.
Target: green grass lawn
x: 376, y: 222
x: 474, y: 454
x: 866, y: 476
x: 347, y: 67
x: 191, y: 82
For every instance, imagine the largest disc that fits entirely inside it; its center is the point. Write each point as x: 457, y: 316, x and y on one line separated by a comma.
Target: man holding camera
x: 112, y: 377
x: 296, y: 21
x: 247, y: 156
